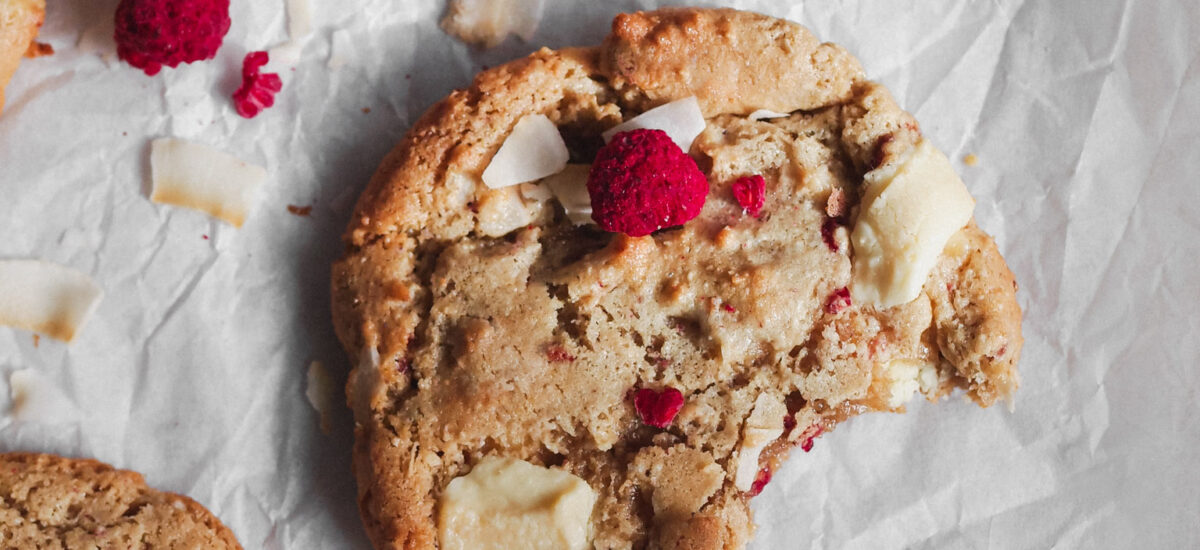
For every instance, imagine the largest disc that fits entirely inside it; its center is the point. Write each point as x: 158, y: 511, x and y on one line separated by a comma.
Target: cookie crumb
x: 971, y: 159
x: 302, y: 211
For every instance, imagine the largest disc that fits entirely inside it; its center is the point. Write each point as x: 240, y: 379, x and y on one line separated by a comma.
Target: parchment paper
x: 1083, y: 116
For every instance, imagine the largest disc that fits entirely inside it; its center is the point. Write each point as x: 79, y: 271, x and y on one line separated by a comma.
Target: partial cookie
x: 502, y: 342
x: 19, y: 24
x: 54, y: 502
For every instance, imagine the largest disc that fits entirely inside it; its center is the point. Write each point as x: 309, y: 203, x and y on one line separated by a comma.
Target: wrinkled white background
x: 192, y: 371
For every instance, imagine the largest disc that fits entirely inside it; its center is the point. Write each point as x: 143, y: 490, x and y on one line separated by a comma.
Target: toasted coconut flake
x: 532, y: 151
x: 44, y: 297
x: 681, y: 119
x: 299, y: 16
x: 570, y: 188
x: 37, y: 399
x: 486, y: 23
x: 763, y: 114
x: 202, y: 178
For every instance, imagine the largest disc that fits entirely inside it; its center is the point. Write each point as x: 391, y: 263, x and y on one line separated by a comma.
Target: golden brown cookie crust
x: 19, y: 24
x: 471, y: 341
x: 55, y: 502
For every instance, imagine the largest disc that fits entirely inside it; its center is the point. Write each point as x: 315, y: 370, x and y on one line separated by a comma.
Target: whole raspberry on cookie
x: 153, y: 33
x: 642, y: 182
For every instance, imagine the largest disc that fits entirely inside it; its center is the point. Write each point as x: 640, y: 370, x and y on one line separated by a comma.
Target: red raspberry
x: 658, y: 409
x: 642, y: 182
x: 258, y: 90
x: 839, y: 300
x: 809, y: 435
x: 153, y: 33
x: 750, y: 193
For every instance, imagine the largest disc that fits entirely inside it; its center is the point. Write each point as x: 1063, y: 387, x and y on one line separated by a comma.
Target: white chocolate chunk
x: 909, y: 210
x: 37, y: 399
x: 533, y: 150
x: 570, y: 188
x: 506, y: 503
x: 202, y: 178
x: 681, y: 119
x: 503, y: 210
x: 764, y: 425
x: 47, y: 298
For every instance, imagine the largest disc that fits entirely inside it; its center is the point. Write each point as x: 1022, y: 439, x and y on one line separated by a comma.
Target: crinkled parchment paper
x: 1083, y: 116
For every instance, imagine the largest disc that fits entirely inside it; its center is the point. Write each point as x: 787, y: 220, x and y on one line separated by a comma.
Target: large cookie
x: 54, y: 502
x: 484, y: 323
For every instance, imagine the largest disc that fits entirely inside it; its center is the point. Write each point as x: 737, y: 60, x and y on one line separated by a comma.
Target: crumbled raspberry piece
x: 761, y: 480
x: 809, y: 434
x: 827, y: 230
x: 789, y: 423
x: 839, y: 300
x: 258, y: 89
x: 642, y: 182
x: 153, y: 33
x: 558, y: 354
x: 728, y: 307
x: 658, y: 409
x: 750, y: 193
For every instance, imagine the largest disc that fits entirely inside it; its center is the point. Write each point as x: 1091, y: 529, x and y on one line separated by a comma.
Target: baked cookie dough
x: 48, y: 501
x: 669, y: 373
x: 19, y: 24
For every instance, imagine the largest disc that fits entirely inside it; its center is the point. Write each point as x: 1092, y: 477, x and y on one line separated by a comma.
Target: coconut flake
x: 202, y: 178
x: 570, y: 188
x: 681, y: 119
x: 37, y: 399
x: 299, y: 16
x: 320, y: 393
x: 763, y: 114
x: 47, y: 298
x: 532, y: 151
x: 486, y: 23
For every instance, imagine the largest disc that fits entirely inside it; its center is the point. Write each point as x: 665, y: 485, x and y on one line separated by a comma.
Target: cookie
x: 653, y: 382
x: 19, y: 24
x: 55, y: 502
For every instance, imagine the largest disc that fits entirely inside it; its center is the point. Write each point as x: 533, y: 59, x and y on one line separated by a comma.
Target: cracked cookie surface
x: 483, y: 322
x: 48, y: 501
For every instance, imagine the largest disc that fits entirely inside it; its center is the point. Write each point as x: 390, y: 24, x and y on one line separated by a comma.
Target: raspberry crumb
x: 258, y: 89
x: 558, y: 354
x: 809, y: 434
x: 642, y: 182
x: 728, y: 307
x: 761, y: 480
x: 658, y: 409
x: 750, y: 193
x: 153, y: 33
x: 827, y: 230
x: 839, y: 300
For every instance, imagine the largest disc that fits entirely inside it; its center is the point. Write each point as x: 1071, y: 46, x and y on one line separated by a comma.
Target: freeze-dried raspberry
x: 642, y: 182
x: 761, y: 480
x: 827, y: 231
x: 750, y: 193
x: 839, y: 300
x: 658, y: 409
x: 153, y: 33
x: 258, y: 89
